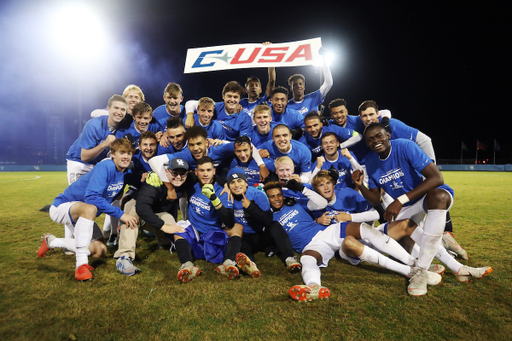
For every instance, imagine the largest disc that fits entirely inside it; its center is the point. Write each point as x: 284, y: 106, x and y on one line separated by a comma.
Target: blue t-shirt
x: 292, y: 118
x: 342, y: 164
x: 401, y: 171
x: 135, y: 133
x: 214, y: 129
x: 259, y: 139
x: 160, y: 115
x: 219, y: 154
x: 95, y: 131
x: 201, y: 212
x: 315, y: 144
x: 234, y: 125
x: 309, y: 103
x: 99, y: 187
x: 299, y: 225
x: 249, y: 106
x: 251, y: 169
x: 261, y: 200
x: 347, y: 201
x: 350, y: 123
x: 299, y: 153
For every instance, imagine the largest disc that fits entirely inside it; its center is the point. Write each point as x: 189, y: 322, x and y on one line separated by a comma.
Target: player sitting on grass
x: 252, y: 210
x: 318, y: 244
x: 83, y: 201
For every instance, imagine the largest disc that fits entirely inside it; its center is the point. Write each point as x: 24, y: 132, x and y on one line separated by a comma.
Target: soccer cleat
x: 68, y: 252
x: 247, y: 266
x: 44, y: 248
x: 451, y: 245
x: 418, y: 282
x: 228, y: 269
x: 112, y: 240
x: 188, y: 272
x: 437, y: 268
x: 433, y: 278
x: 83, y: 273
x: 307, y: 293
x: 292, y: 265
x: 466, y: 274
x: 125, y: 266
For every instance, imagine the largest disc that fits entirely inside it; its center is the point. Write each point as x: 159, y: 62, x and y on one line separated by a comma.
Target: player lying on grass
x: 318, y: 244
x: 348, y: 205
x: 83, y: 201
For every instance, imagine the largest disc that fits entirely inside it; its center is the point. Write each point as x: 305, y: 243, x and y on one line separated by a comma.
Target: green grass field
x: 41, y: 300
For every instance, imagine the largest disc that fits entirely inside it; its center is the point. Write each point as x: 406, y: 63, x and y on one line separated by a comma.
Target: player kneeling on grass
x: 319, y: 244
x: 252, y: 211
x: 83, y: 201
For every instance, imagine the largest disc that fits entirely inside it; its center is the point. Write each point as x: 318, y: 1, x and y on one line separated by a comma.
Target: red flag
x: 480, y: 145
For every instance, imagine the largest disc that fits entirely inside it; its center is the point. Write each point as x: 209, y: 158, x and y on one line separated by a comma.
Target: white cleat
x: 466, y: 274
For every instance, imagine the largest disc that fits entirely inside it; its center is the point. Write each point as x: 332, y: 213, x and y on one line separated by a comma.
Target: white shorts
x: 60, y: 214
x: 418, y: 210
x: 76, y: 169
x: 326, y: 243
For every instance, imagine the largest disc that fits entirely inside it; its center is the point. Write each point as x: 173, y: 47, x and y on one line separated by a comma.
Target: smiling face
x: 205, y: 113
x: 339, y: 114
x: 313, y: 127
x: 369, y: 116
x: 133, y: 98
x: 116, y: 112
x: 284, y: 171
x: 205, y: 173
x: 297, y: 87
x: 262, y: 120
x: 282, y: 137
x: 325, y: 188
x: 197, y: 146
x: 176, y: 176
x: 238, y: 186
x: 148, y: 148
x: 279, y: 102
x: 377, y: 139
x: 275, y: 198
x: 172, y: 103
x: 243, y: 152
x: 231, y: 100
x: 330, y: 145
x: 177, y: 137
x: 142, y: 120
x: 253, y: 90
x: 122, y: 159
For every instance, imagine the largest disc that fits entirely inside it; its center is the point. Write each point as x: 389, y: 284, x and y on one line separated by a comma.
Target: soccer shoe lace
x: 246, y: 265
x: 126, y: 267
x: 83, y: 273
x: 418, y: 282
x: 467, y: 274
x: 228, y: 269
x: 44, y: 248
x: 293, y: 265
x: 307, y: 293
x: 188, y: 272
x: 450, y: 244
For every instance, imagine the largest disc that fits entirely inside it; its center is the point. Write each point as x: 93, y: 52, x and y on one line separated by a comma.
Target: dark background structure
x: 440, y: 67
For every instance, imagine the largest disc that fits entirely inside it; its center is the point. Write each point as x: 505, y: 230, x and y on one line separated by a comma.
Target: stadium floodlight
x: 78, y: 32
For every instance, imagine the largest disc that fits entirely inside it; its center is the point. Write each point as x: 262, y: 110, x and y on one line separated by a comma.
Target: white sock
x: 385, y: 244
x: 83, y: 233
x: 66, y: 243
x: 374, y: 257
x: 310, y: 270
x: 107, y: 224
x: 431, y: 237
x: 448, y: 260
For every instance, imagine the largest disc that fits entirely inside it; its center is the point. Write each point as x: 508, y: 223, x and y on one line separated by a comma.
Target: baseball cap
x: 178, y: 164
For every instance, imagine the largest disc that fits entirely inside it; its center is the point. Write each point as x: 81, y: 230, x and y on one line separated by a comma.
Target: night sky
x: 443, y: 69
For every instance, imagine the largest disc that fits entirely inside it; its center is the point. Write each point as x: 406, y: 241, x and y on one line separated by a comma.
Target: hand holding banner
x: 242, y: 56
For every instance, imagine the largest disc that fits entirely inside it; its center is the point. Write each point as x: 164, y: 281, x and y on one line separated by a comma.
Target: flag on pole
x: 496, y: 146
x: 480, y: 145
x: 464, y: 147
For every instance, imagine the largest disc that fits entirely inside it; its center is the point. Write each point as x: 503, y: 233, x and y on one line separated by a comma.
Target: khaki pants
x: 128, y: 236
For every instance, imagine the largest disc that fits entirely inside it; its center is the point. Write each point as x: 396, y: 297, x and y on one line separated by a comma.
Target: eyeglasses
x: 180, y: 174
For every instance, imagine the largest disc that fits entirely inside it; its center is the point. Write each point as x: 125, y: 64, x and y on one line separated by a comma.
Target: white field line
x: 37, y: 177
